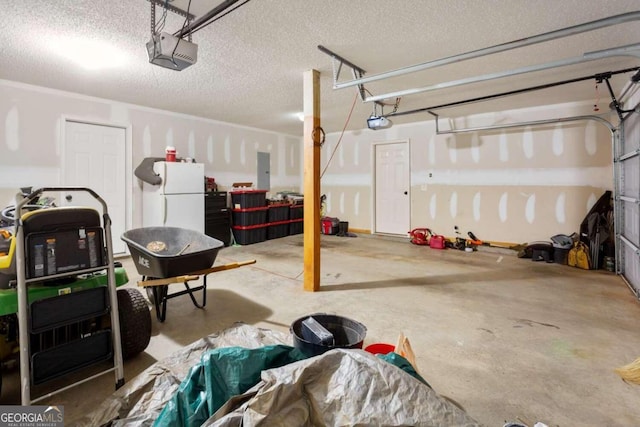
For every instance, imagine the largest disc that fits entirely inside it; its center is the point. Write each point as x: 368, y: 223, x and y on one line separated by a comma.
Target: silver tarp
x: 339, y: 388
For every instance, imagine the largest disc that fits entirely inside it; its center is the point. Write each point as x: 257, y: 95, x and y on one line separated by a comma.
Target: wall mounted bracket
x: 615, y: 105
x: 166, y: 5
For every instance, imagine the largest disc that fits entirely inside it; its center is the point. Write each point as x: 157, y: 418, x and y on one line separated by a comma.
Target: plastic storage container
x: 296, y: 212
x: 248, y: 199
x: 248, y: 235
x: 278, y: 213
x: 296, y: 226
x: 277, y: 230
x: 249, y: 216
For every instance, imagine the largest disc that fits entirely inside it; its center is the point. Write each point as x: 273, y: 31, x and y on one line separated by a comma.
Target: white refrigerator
x: 178, y: 201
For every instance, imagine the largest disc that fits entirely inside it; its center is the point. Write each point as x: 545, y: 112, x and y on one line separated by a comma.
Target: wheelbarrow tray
x: 186, y: 251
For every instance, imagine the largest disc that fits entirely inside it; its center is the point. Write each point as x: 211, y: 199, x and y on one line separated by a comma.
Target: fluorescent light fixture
x: 90, y: 54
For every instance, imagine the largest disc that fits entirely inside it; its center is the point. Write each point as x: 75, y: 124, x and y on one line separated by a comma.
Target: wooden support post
x: 311, y: 165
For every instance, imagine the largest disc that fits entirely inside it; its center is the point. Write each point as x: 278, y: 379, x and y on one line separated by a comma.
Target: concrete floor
x: 507, y: 338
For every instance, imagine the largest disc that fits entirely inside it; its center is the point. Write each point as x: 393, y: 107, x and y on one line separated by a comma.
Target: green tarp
x: 226, y: 372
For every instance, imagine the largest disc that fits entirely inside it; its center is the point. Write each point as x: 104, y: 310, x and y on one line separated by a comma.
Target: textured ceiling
x: 251, y: 62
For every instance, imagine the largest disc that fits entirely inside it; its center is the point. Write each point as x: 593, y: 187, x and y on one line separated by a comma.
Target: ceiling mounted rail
x: 599, y: 76
x: 598, y: 119
x: 628, y: 50
x: 204, y: 19
x: 527, y: 41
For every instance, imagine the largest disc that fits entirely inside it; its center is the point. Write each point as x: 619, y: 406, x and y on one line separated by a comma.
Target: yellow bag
x: 579, y: 256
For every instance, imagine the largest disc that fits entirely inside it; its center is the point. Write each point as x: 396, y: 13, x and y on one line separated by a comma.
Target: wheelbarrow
x: 167, y: 255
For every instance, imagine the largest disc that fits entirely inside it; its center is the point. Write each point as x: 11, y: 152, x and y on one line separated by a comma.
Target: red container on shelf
x: 170, y: 154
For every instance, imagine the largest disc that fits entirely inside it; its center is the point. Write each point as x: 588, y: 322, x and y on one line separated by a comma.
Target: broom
x: 631, y: 372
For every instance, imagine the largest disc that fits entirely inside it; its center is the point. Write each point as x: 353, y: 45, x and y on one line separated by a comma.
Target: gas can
x: 170, y: 154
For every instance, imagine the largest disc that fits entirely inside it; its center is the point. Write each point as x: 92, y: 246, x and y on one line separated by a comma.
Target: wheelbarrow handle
x: 167, y: 281
x: 229, y: 266
x: 194, y: 275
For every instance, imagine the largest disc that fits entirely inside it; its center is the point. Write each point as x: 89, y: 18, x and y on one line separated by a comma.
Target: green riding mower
x: 60, y: 309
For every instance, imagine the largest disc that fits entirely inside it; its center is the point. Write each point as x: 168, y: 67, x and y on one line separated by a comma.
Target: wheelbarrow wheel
x: 135, y: 322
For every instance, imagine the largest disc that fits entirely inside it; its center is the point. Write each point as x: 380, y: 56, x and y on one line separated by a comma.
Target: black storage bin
x: 278, y: 213
x: 249, y: 216
x: 248, y: 199
x: 296, y: 226
x: 215, y: 200
x: 296, y: 211
x: 277, y: 230
x: 248, y: 235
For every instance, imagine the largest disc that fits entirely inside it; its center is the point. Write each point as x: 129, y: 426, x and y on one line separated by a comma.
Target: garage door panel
x: 631, y: 269
x: 631, y: 226
x: 631, y: 134
x: 628, y: 186
x: 631, y: 185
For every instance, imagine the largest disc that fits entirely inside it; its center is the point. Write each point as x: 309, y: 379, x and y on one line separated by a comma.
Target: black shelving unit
x: 217, y: 216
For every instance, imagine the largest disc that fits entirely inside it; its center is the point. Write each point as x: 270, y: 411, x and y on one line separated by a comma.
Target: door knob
x: 406, y: 192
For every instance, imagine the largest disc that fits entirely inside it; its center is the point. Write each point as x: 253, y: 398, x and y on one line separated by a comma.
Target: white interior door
x: 95, y: 157
x: 392, y: 188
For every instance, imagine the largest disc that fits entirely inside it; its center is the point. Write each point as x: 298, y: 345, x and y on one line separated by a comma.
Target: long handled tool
x: 160, y: 287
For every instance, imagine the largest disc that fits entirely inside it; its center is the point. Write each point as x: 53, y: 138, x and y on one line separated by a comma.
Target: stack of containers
x: 296, y: 218
x: 249, y: 216
x: 278, y: 217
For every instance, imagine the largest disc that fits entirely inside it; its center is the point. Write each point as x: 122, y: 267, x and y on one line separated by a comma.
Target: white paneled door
x: 392, y: 188
x: 95, y: 157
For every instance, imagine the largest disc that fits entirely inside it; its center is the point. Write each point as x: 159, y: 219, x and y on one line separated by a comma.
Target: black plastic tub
x: 250, y: 234
x: 296, y: 211
x: 249, y: 216
x: 278, y: 213
x: 277, y: 230
x: 186, y: 251
x: 296, y: 226
x: 244, y: 199
x: 347, y: 333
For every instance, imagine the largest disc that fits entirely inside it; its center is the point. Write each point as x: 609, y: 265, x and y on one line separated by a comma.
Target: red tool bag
x: 420, y: 236
x: 437, y: 242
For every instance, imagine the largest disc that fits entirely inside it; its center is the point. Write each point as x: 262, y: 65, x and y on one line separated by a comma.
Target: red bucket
x: 380, y: 348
